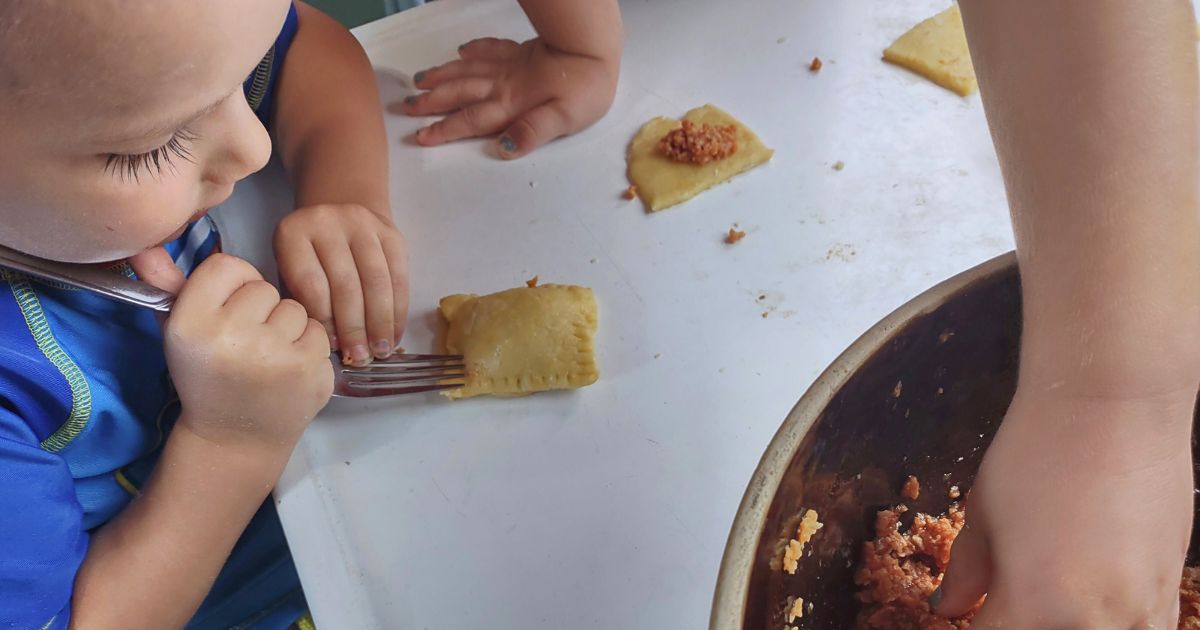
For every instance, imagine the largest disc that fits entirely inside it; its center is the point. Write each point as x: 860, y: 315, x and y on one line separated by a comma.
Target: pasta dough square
x: 937, y: 50
x: 662, y: 182
x: 524, y: 340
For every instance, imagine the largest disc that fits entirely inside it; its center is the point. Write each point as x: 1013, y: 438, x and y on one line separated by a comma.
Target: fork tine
x: 416, y: 358
x: 357, y: 391
x: 380, y: 385
x: 400, y: 368
x: 366, y: 379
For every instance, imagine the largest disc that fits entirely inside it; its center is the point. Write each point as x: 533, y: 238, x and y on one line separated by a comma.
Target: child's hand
x: 1080, y: 516
x: 248, y: 366
x: 530, y: 93
x: 349, y: 268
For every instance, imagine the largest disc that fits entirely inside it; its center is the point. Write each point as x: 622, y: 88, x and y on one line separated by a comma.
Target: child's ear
x: 156, y: 267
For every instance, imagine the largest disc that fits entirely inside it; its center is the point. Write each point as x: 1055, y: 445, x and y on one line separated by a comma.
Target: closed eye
x: 130, y: 166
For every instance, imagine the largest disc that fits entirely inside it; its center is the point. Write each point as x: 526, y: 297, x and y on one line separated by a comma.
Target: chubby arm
x: 1094, y: 114
x: 152, y: 565
x: 339, y: 253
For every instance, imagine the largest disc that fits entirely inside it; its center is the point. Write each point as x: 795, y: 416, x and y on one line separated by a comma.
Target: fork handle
x: 89, y: 278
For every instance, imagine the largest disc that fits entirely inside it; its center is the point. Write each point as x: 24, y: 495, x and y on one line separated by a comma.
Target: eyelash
x: 130, y: 166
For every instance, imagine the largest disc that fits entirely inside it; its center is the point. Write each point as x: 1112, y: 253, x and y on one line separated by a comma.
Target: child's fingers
x: 290, y: 319
x: 432, y: 77
x: 312, y: 341
x: 967, y: 577
x: 1170, y: 619
x: 533, y: 129
x: 345, y: 289
x: 479, y: 119
x: 490, y: 48
x: 304, y: 277
x: 992, y: 614
x: 396, y: 253
x: 254, y: 301
x: 376, y: 280
x: 214, y: 282
x: 155, y: 266
x: 449, y: 96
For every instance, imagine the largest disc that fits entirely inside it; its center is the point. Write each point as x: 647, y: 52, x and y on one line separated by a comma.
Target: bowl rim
x: 733, y: 578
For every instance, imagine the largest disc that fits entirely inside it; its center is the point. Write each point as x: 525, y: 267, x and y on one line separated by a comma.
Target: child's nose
x: 246, y: 149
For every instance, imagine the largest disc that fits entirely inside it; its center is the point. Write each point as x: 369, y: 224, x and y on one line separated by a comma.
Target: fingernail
x: 419, y: 77
x: 410, y: 100
x: 507, y: 145
x: 383, y: 348
x: 935, y: 598
x: 359, y: 355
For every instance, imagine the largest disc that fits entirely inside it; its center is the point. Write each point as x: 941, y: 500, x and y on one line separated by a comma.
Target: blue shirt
x: 85, y: 400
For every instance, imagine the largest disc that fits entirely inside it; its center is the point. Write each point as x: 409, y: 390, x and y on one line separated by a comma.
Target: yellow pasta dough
x: 662, y: 182
x: 522, y: 341
x: 937, y: 50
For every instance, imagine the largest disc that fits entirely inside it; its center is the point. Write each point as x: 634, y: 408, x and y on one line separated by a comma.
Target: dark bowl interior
x: 927, y: 404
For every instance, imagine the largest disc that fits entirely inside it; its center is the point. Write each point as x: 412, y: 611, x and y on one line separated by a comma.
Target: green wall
x: 351, y: 12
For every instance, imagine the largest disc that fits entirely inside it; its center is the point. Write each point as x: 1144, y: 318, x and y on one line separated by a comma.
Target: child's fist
x: 248, y: 366
x: 349, y: 268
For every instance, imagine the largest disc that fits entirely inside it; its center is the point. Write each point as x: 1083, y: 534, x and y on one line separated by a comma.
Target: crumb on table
x: 809, y: 526
x: 839, y: 165
x: 699, y: 145
x: 630, y: 193
x: 816, y: 64
x: 912, y: 488
x: 734, y: 236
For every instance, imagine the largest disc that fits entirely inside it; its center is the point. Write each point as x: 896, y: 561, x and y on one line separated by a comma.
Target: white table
x: 609, y: 507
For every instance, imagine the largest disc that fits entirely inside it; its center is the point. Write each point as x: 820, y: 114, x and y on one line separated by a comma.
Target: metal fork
x: 396, y: 375
x: 92, y: 278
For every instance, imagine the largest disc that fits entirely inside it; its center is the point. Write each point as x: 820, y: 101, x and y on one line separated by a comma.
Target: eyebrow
x: 167, y: 127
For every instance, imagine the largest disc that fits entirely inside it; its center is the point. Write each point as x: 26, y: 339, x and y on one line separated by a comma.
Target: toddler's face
x: 122, y: 121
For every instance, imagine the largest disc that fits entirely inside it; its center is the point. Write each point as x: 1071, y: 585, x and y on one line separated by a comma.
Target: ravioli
x: 523, y: 340
x: 662, y: 182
